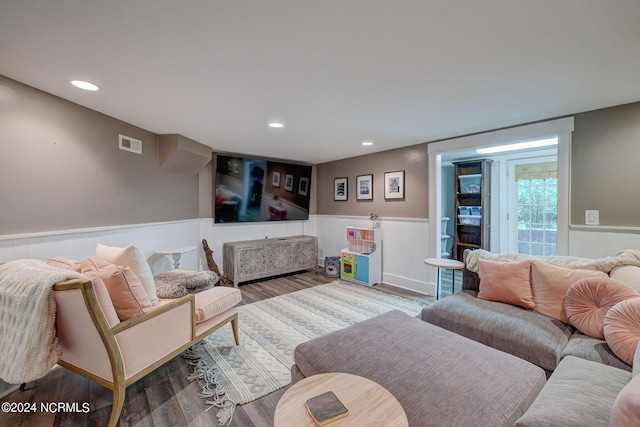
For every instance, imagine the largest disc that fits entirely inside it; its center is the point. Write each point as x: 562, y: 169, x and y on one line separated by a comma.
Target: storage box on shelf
x: 444, y: 237
x: 470, y: 184
x: 444, y: 246
x: 361, y: 260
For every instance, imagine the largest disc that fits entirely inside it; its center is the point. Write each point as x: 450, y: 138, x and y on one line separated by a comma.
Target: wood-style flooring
x: 164, y: 397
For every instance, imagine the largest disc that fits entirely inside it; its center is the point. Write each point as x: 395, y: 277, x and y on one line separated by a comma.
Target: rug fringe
x: 214, y: 389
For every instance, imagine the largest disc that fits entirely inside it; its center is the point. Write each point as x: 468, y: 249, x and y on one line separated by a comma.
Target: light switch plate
x: 592, y: 217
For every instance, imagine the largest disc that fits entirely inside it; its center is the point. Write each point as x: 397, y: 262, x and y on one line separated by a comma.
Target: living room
x: 67, y: 186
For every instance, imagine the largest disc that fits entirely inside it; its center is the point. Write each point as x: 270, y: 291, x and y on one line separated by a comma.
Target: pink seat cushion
x: 214, y: 301
x: 622, y: 328
x: 588, y: 300
x: 506, y: 282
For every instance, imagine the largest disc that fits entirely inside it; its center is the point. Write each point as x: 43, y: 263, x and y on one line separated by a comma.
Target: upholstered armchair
x: 114, y: 353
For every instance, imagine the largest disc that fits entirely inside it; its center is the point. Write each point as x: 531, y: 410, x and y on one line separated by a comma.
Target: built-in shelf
x: 472, y: 206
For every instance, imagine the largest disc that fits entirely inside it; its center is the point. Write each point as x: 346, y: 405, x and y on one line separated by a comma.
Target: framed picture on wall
x: 364, y: 183
x: 288, y: 182
x: 276, y: 179
x: 236, y: 168
x: 340, y: 189
x: 303, y: 186
x: 394, y: 185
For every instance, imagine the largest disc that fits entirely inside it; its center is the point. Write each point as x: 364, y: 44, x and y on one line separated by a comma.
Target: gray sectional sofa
x: 539, y: 339
x: 472, y: 362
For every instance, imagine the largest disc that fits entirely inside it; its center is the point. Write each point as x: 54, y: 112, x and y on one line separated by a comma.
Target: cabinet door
x: 362, y: 268
x: 347, y: 268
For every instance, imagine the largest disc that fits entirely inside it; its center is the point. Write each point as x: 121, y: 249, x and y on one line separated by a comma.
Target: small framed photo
x: 394, y: 185
x: 236, y: 168
x: 275, y: 181
x: 340, y: 189
x: 364, y: 183
x: 288, y: 182
x: 303, y: 186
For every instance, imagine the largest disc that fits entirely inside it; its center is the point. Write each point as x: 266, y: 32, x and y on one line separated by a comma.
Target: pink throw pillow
x: 588, y: 300
x: 626, y: 408
x: 550, y: 284
x: 65, y: 263
x: 125, y: 289
x: 507, y: 282
x: 622, y: 328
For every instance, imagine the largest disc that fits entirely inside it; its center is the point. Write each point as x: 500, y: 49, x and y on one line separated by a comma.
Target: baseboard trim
x: 409, y: 284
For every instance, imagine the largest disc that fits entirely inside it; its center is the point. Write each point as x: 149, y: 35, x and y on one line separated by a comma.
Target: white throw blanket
x: 28, y: 344
x: 606, y: 264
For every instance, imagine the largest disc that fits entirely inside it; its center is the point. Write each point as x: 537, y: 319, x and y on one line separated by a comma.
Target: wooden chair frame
x: 108, y: 336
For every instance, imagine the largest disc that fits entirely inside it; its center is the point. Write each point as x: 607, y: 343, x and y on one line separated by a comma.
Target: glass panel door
x: 533, y: 207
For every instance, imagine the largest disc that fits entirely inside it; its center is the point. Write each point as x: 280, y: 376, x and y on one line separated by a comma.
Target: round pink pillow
x: 622, y: 328
x: 588, y: 300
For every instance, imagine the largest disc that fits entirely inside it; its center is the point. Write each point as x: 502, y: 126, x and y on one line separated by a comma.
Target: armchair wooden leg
x: 118, y: 403
x: 234, y: 326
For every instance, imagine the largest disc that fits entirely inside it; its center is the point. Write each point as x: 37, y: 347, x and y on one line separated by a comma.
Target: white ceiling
x: 337, y: 72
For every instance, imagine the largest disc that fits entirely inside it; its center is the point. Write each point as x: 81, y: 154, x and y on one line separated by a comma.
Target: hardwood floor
x: 164, y: 397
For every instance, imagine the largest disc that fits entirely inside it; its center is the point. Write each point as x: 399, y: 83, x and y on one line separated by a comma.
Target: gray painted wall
x: 61, y: 168
x: 605, y: 165
x: 413, y: 160
x: 605, y: 160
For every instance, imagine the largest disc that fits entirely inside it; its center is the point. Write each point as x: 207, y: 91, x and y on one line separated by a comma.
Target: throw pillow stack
x: 589, y: 300
x: 124, y: 272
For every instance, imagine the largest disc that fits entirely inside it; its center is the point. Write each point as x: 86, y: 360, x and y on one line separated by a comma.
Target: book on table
x: 325, y: 408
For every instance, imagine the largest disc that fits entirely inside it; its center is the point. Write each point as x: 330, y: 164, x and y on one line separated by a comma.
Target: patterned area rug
x: 269, y: 332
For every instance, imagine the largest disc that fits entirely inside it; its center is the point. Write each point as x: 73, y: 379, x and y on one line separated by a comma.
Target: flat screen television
x: 248, y: 190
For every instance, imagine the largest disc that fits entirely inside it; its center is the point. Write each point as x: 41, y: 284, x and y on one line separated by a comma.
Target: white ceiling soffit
x: 337, y: 73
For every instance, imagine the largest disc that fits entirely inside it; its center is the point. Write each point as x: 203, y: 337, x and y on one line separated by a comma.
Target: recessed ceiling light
x: 81, y: 84
x: 519, y: 146
x: 367, y: 143
x: 276, y: 125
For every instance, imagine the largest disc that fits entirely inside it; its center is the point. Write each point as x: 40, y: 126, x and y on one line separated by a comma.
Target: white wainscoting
x: 80, y: 244
x: 601, y: 241
x: 405, y: 245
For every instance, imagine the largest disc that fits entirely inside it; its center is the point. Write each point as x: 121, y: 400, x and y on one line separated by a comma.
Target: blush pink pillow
x: 588, y: 300
x: 125, y: 289
x: 506, y: 282
x: 550, y: 283
x: 622, y: 328
x: 65, y: 263
x: 626, y: 408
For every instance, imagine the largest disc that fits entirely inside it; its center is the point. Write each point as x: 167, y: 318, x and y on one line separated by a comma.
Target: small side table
x: 449, y: 264
x: 369, y: 403
x: 176, y: 253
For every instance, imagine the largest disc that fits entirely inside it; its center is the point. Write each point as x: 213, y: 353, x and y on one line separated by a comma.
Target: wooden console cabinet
x: 256, y: 259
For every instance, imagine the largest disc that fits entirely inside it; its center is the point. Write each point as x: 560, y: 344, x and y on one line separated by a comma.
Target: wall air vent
x: 130, y: 144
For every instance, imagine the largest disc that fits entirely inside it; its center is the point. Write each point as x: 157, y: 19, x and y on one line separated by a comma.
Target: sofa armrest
x: 470, y: 279
x: 145, y: 340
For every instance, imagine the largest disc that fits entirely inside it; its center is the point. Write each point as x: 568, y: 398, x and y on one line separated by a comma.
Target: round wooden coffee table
x: 369, y: 403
